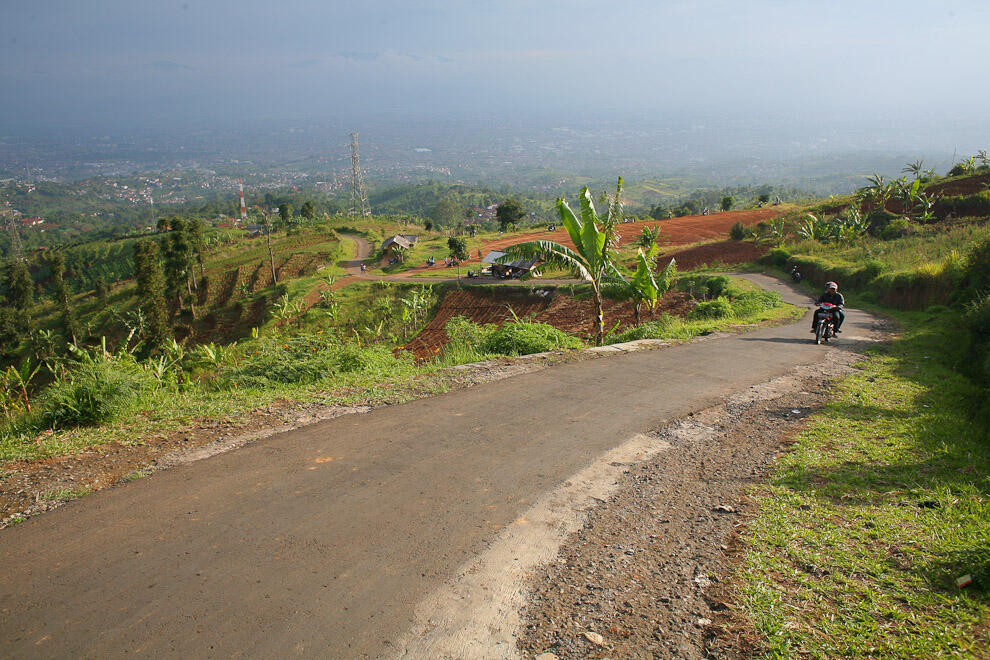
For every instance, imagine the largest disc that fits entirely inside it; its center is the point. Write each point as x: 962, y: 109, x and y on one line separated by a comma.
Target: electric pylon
x: 16, y: 248
x: 240, y: 186
x: 359, y: 196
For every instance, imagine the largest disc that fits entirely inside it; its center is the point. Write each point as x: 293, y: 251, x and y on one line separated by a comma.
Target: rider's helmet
x: 831, y: 285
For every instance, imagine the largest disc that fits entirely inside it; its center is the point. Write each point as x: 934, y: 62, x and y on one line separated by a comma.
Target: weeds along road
x: 321, y: 542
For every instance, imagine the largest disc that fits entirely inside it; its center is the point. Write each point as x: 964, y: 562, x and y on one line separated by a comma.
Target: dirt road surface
x: 406, y: 531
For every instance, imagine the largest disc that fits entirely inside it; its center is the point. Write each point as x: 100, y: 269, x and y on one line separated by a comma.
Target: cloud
x: 305, y: 64
x: 170, y: 67
x: 357, y: 56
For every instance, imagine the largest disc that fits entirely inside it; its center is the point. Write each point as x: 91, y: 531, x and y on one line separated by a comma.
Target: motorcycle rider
x: 832, y: 296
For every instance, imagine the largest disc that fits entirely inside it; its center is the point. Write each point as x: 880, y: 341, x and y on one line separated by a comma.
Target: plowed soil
x: 675, y: 231
x: 724, y: 252
x: 560, y: 310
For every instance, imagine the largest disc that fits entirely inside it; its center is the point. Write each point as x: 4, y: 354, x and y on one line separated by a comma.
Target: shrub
x: 870, y: 270
x: 525, y: 338
x: 750, y: 303
x: 976, y: 279
x: 868, y: 297
x: 965, y: 205
x: 95, y: 391
x: 878, y: 220
x: 739, y: 232
x: 897, y: 228
x: 311, y: 358
x: 777, y: 257
x: 720, y: 308
x: 655, y: 329
x: 977, y: 321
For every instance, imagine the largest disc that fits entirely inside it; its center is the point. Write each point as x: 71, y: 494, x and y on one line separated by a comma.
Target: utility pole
x: 359, y: 196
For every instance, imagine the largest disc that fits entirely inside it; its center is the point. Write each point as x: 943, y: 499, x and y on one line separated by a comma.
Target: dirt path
x: 350, y: 537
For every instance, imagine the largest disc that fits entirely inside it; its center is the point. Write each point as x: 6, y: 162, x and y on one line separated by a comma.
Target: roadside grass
x: 879, y: 506
x: 930, y: 244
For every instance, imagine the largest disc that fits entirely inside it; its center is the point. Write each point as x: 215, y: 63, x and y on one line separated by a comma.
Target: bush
x: 655, y: 329
x: 965, y: 205
x: 95, y: 391
x: 977, y: 322
x: 897, y: 228
x: 976, y: 279
x: 307, y: 359
x: 525, y: 338
x: 777, y: 257
x: 739, y: 232
x: 751, y: 303
x: 878, y: 220
x: 720, y: 308
x: 870, y: 270
x: 868, y: 297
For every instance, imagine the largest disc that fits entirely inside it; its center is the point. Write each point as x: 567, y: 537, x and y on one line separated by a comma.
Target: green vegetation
x: 723, y: 303
x: 593, y: 261
x: 471, y: 342
x: 879, y: 507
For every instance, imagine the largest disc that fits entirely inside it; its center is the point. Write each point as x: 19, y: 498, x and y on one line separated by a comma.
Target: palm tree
x: 594, y: 240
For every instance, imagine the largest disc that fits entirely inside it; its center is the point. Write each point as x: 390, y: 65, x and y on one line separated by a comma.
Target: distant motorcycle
x: 795, y: 275
x: 825, y: 329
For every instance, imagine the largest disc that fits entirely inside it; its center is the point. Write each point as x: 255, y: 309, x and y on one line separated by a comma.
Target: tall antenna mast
x: 151, y: 201
x: 359, y: 196
x: 240, y: 186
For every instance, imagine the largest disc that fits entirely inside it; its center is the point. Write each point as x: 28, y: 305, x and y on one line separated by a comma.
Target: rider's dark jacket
x: 834, y: 298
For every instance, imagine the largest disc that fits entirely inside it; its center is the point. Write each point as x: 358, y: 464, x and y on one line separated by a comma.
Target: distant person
x: 833, y: 297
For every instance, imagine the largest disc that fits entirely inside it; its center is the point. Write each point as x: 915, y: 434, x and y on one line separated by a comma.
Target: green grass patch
x: 880, y: 505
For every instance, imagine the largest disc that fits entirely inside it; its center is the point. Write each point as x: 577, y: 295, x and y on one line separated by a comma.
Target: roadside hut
x: 396, y: 246
x: 511, y: 269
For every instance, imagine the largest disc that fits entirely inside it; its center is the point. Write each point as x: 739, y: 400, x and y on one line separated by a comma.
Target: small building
x: 510, y: 269
x: 395, y: 246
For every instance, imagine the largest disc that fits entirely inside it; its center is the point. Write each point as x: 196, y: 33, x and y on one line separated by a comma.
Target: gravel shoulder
x: 642, y: 578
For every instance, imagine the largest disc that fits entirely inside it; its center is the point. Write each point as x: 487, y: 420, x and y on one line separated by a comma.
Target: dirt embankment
x: 564, y: 312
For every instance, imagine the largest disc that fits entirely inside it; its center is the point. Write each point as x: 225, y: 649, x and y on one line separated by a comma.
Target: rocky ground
x: 645, y: 576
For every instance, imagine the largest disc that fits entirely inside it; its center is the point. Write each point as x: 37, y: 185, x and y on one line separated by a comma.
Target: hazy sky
x: 210, y: 62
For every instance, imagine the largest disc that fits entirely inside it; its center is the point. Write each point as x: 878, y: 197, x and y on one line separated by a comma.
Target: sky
x: 211, y: 63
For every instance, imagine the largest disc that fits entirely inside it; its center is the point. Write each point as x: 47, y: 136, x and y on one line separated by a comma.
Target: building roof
x: 405, y: 241
x: 521, y: 264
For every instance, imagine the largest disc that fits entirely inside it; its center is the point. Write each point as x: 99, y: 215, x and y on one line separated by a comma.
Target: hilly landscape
x: 494, y: 330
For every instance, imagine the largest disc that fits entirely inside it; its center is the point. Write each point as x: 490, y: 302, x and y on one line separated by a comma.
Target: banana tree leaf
x: 570, y: 222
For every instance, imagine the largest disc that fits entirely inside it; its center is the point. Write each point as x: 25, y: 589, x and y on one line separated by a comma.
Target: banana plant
x: 914, y: 168
x: 776, y: 231
x: 646, y: 285
x: 594, y: 240
x: 17, y: 380
x: 648, y: 237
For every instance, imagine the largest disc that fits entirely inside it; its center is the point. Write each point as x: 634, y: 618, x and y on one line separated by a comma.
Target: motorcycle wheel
x: 820, y: 333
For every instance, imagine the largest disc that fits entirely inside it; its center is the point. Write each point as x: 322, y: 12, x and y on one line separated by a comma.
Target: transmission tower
x: 240, y: 186
x: 16, y: 248
x: 359, y: 196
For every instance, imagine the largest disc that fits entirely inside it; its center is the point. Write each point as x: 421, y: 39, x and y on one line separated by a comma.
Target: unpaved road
x: 338, y: 539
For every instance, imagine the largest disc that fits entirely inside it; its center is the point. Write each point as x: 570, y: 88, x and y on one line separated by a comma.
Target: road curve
x: 321, y: 541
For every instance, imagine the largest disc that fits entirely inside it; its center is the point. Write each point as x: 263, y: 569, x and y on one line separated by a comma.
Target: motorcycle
x: 825, y: 329
x: 795, y: 275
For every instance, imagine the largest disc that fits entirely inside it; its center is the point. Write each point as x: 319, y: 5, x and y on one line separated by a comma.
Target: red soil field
x: 726, y: 252
x: 558, y: 309
x: 676, y: 231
